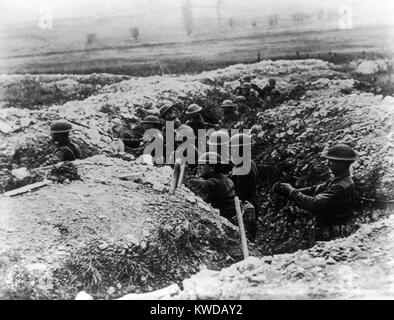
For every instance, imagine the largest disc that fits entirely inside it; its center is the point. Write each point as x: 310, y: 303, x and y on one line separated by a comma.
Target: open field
x: 196, y: 55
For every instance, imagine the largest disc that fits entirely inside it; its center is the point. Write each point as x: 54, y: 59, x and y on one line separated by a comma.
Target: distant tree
x: 254, y: 23
x: 90, y: 38
x: 187, y: 15
x: 300, y: 17
x: 231, y: 22
x: 273, y: 20
x: 135, y: 33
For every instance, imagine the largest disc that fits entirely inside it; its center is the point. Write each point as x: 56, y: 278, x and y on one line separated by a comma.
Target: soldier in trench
x: 332, y: 202
x: 214, y: 186
x: 230, y: 115
x: 196, y: 120
x: 246, y: 185
x: 167, y: 113
x: 149, y: 122
x: 137, y: 143
x: 65, y: 149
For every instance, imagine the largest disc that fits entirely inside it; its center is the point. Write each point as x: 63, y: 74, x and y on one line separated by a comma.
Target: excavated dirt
x: 358, y: 267
x: 109, y: 234
x: 114, y: 232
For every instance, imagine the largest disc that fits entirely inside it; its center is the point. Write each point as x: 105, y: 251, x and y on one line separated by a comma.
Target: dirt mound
x: 358, y: 267
x: 36, y: 91
x: 114, y: 232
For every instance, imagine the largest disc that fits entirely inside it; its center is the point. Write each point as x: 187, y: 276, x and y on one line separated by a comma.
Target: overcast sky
x: 12, y: 11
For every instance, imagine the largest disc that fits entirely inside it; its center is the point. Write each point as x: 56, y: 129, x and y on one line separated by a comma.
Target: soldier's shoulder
x: 345, y: 182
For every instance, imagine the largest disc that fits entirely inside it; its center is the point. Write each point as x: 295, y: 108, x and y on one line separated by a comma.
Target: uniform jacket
x: 197, y: 124
x: 246, y: 185
x: 66, y: 152
x: 220, y: 193
x: 331, y: 202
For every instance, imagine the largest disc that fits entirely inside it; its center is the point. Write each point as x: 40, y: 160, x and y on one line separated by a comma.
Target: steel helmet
x: 246, y: 85
x: 240, y: 140
x: 165, y: 109
x: 210, y: 158
x: 272, y: 81
x: 184, y: 131
x: 341, y: 152
x: 228, y: 104
x: 246, y: 78
x: 193, y: 108
x: 240, y: 99
x: 61, y: 127
x: 151, y: 120
x: 219, y: 138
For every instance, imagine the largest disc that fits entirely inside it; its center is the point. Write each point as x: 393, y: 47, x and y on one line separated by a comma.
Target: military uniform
x: 253, y: 100
x: 246, y: 190
x: 331, y: 202
x: 219, y: 191
x: 67, y: 152
x: 196, y: 124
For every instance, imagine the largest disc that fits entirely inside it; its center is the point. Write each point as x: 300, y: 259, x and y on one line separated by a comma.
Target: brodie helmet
x: 61, y: 127
x: 341, y: 152
x: 193, y: 108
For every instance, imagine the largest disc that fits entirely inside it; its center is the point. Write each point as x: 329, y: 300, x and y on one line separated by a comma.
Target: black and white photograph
x: 218, y: 151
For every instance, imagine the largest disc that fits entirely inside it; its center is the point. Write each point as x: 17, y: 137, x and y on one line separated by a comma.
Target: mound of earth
x: 358, y: 267
x: 321, y: 106
x: 36, y: 91
x: 116, y: 231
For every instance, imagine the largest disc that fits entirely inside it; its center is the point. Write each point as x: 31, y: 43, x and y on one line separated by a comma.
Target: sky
x: 14, y: 11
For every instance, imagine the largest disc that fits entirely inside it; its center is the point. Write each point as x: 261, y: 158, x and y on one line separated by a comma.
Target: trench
x: 279, y: 229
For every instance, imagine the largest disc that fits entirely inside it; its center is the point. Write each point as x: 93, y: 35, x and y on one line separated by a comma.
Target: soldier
x: 149, y: 122
x: 182, y: 134
x: 230, y: 115
x: 252, y: 97
x: 167, y: 113
x: 65, y: 149
x: 242, y: 105
x: 196, y: 120
x: 269, y: 92
x: 246, y: 185
x: 216, y: 188
x: 238, y: 89
x: 219, y: 142
x: 332, y: 202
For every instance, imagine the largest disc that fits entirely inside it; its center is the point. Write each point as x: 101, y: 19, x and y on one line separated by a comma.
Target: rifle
x: 179, y: 170
x: 244, y: 243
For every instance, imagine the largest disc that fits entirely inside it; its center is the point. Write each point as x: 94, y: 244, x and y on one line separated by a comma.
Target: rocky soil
x: 115, y: 231
x: 118, y: 230
x: 358, y: 267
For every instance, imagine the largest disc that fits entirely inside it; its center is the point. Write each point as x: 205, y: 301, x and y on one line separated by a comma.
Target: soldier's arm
x: 321, y: 202
x: 310, y: 191
x: 132, y: 143
x: 78, y: 153
x: 54, y: 158
x: 258, y: 89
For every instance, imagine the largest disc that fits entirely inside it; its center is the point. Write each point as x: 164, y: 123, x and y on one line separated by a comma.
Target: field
x: 66, y: 49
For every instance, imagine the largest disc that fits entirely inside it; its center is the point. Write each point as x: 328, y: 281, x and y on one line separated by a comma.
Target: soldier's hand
x: 287, y: 189
x: 276, y: 188
x: 283, y: 189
